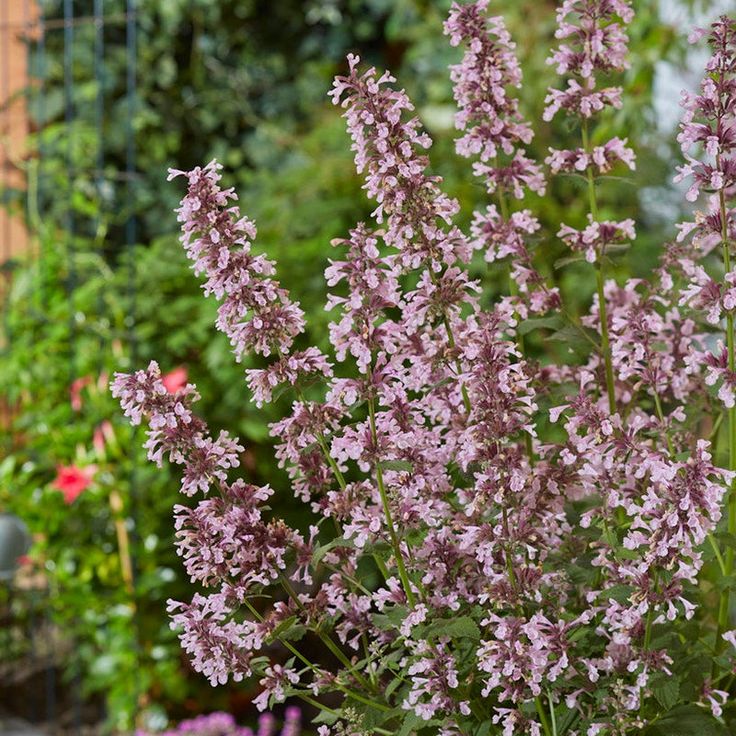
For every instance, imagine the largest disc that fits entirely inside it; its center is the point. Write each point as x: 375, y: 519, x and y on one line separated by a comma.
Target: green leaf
x: 568, y: 260
x: 326, y: 717
x: 666, y: 690
x: 619, y: 593
x: 535, y: 323
x: 458, y: 628
x: 579, y: 339
x: 391, y: 687
x: 686, y: 720
x: 288, y: 630
x: 726, y: 539
x: 413, y: 723
x: 400, y: 465
x: 390, y: 620
x: 617, y: 249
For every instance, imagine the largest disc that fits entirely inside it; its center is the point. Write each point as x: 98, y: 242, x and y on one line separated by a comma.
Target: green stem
x: 316, y: 704
x: 660, y: 415
x: 381, y: 565
x: 387, y: 511
x: 600, y: 281
x: 451, y: 343
x: 339, y: 654
x: 552, y: 713
x: 542, y: 713
x: 717, y: 553
x: 322, y: 442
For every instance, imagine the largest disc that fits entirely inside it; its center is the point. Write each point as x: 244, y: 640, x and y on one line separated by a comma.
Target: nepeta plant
x: 501, y: 544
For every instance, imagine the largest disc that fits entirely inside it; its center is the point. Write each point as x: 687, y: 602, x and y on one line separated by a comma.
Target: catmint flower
x: 418, y: 215
x: 256, y: 313
x: 174, y: 430
x: 524, y: 563
x: 709, y: 124
x: 487, y: 112
x: 497, y: 133
x: 601, y: 158
x: 434, y: 677
x: 597, y: 236
x: 275, y: 684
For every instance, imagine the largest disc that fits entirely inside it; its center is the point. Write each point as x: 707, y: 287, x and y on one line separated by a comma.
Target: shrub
x: 508, y: 538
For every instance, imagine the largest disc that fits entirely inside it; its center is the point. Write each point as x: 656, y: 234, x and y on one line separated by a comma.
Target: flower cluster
x: 389, y: 150
x: 223, y: 724
x: 499, y: 541
x: 593, y: 42
x: 496, y: 132
x: 597, y: 237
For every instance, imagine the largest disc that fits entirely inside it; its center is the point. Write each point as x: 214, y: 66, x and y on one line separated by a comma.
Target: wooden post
x: 18, y: 21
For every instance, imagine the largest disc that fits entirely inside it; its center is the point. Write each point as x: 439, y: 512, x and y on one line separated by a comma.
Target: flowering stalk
x: 594, y: 42
x: 708, y: 120
x: 600, y: 281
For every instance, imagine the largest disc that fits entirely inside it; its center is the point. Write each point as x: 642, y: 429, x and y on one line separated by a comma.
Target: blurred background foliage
x: 244, y: 81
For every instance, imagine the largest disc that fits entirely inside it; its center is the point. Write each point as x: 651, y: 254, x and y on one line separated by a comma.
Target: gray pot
x: 15, y: 541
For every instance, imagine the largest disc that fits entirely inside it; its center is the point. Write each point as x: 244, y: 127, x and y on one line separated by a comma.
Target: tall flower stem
x: 504, y: 207
x: 600, y: 281
x: 403, y: 575
x: 542, y: 713
x: 724, y: 607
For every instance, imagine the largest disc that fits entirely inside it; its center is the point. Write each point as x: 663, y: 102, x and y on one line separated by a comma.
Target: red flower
x: 175, y: 380
x: 71, y: 480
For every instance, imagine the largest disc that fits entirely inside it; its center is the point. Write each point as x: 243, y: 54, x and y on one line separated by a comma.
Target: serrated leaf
x: 726, y: 583
x: 617, y: 248
x: 390, y: 620
x: 667, y: 691
x: 619, y: 593
x: 399, y: 465
x: 391, y: 687
x: 327, y: 717
x: 283, y: 626
x: 412, y: 723
x: 568, y: 260
x: 726, y: 539
x: 580, y: 340
x: 293, y: 633
x: 536, y: 323
x: 458, y: 628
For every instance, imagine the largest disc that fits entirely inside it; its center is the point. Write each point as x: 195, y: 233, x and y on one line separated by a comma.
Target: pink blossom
x: 175, y: 379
